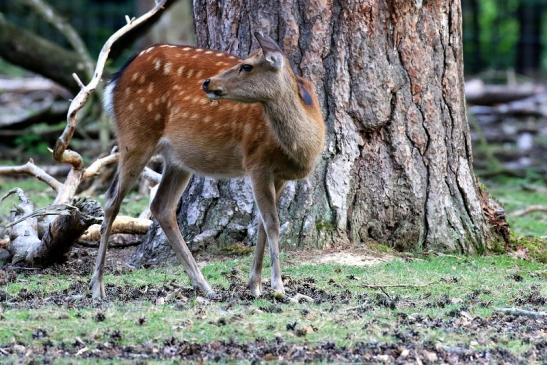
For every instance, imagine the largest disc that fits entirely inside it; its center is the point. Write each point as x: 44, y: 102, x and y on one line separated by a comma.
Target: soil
x: 405, y: 345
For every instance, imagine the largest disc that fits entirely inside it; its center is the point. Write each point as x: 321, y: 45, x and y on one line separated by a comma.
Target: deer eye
x: 245, y: 67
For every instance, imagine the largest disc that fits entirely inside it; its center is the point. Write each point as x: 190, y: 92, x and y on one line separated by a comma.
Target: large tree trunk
x: 398, y: 166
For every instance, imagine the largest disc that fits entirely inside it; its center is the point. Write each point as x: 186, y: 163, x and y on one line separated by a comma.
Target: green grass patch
x: 345, y: 311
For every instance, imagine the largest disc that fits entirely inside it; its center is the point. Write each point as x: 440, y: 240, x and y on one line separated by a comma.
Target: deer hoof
x: 255, y: 286
x: 97, y: 288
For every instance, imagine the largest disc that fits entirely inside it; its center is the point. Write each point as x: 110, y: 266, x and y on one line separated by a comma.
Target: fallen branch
x: 122, y: 224
x: 522, y: 312
x: 64, y: 231
x: 530, y: 209
x: 381, y: 287
x: 120, y: 240
x: 298, y: 297
x: 31, y: 169
x: 96, y: 167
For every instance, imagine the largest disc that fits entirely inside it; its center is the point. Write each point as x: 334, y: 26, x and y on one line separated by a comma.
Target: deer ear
x: 272, y: 53
x: 303, y: 91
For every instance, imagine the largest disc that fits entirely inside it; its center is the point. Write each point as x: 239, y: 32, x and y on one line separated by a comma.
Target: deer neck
x: 298, y: 134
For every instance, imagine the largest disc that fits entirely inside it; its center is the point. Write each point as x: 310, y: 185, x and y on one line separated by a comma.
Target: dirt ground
x: 424, y: 324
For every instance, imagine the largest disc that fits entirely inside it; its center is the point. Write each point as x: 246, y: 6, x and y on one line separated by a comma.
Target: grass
x: 332, y: 320
x: 513, y: 195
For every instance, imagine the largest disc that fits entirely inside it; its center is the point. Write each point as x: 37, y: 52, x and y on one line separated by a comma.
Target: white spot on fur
x: 190, y: 73
x: 149, y: 107
x: 186, y: 48
x: 157, y: 117
x: 142, y: 79
x: 157, y: 64
x: 167, y: 68
x: 208, y: 52
x: 198, y: 75
x: 134, y: 76
x: 180, y: 70
x: 150, y: 88
x: 220, y: 54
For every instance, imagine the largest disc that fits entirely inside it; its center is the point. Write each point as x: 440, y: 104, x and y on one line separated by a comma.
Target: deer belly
x: 204, y: 157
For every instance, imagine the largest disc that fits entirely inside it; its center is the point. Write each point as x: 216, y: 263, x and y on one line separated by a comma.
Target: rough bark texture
x: 398, y: 166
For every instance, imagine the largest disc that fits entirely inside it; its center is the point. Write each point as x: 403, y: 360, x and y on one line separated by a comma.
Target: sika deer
x: 269, y: 127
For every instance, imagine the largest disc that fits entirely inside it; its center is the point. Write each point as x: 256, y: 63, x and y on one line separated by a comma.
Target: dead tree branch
x: 522, y: 312
x: 96, y: 167
x: 122, y: 224
x: 530, y: 209
x: 81, y: 98
x: 31, y: 169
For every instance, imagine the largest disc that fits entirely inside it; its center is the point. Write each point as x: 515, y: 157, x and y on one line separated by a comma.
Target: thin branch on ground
x: 522, y: 312
x: 383, y: 286
x: 530, y: 209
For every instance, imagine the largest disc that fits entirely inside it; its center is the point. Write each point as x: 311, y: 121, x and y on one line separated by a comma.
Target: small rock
x: 160, y: 301
x: 404, y: 353
x: 20, y: 349
x: 429, y: 356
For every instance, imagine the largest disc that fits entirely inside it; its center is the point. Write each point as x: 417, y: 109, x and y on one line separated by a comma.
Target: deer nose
x: 205, y: 85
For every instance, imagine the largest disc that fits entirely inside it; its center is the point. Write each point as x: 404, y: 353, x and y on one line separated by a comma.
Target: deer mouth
x: 214, y: 94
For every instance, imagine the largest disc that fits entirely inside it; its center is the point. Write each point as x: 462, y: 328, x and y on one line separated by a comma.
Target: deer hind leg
x: 164, y: 206
x: 265, y: 197
x: 129, y: 168
x: 255, y: 277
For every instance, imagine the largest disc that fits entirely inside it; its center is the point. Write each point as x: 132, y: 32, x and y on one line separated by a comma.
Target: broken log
x: 122, y: 224
x: 64, y: 231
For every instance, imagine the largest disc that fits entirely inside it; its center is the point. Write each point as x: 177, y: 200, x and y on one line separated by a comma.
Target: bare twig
x: 522, y: 312
x: 79, y: 101
x: 31, y: 169
x: 382, y: 287
x: 95, y: 168
x: 152, y: 176
x: 530, y: 209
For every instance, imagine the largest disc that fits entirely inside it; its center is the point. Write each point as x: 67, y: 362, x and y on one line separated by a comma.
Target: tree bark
x: 398, y: 165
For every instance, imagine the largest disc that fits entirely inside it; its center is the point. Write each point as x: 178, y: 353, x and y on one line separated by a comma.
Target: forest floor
x: 367, y: 305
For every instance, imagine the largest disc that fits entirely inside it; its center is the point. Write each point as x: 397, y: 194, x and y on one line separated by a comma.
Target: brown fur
x: 272, y: 131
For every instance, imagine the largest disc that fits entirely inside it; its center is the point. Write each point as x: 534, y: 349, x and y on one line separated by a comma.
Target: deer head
x: 260, y: 77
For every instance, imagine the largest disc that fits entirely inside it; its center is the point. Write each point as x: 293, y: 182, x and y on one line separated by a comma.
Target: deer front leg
x: 265, y: 197
x: 255, y: 277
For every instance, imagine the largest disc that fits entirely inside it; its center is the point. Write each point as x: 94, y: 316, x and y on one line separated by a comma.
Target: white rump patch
x: 108, y: 98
